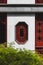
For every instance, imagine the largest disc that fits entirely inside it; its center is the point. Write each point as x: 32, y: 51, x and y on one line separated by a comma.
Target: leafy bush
x: 10, y: 56
x: 3, y: 45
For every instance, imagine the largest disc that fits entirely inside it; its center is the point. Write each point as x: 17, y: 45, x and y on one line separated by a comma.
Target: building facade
x: 23, y: 28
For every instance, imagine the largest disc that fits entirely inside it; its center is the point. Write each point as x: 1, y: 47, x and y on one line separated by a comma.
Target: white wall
x: 12, y: 21
x: 20, y: 1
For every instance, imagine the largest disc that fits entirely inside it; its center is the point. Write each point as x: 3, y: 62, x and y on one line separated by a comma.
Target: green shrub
x: 10, y: 56
x: 3, y: 45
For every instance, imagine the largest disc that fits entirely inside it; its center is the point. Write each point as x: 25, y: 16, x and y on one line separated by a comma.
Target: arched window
x: 21, y: 32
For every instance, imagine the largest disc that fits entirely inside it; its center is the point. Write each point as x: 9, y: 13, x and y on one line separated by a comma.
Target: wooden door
x: 39, y: 32
x: 3, y: 28
x: 3, y: 25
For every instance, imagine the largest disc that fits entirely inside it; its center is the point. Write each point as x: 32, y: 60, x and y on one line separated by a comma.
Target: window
x: 21, y: 32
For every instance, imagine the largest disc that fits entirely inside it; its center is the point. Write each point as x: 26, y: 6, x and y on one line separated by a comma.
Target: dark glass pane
x: 21, y: 32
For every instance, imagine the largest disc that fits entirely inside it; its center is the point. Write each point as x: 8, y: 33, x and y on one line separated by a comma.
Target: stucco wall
x: 12, y: 21
x: 20, y: 1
